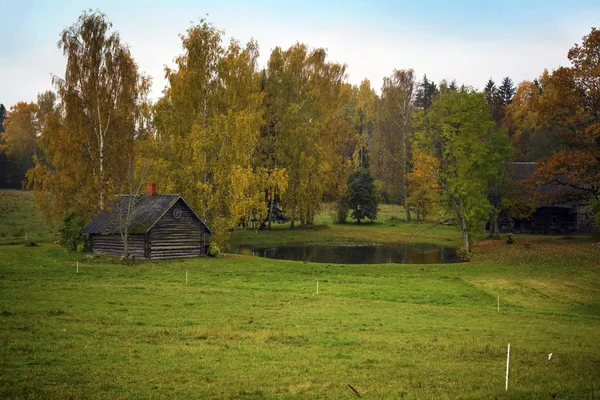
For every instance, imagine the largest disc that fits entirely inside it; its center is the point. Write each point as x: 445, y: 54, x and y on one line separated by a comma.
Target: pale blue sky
x: 469, y: 41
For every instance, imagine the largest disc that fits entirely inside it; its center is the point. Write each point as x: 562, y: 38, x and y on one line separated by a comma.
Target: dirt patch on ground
x: 488, y: 244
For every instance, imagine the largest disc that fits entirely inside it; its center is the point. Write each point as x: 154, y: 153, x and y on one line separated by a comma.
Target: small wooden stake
x: 77, y: 271
x: 317, y: 288
x: 498, y: 302
x: 507, y: 361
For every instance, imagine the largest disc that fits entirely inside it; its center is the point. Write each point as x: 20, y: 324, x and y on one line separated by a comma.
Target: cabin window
x: 554, y: 219
x: 176, y: 213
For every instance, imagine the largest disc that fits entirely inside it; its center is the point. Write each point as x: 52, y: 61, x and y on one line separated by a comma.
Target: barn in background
x: 157, y: 226
x: 567, y: 213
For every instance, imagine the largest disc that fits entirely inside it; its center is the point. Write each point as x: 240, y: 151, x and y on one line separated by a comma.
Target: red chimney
x: 150, y: 188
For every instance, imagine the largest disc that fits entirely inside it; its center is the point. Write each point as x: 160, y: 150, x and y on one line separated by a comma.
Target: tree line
x: 242, y: 143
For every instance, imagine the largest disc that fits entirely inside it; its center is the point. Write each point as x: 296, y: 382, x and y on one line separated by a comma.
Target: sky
x: 467, y: 41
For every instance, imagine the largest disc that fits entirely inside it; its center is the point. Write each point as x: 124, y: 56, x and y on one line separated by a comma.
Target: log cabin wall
x: 112, y: 245
x: 177, y: 237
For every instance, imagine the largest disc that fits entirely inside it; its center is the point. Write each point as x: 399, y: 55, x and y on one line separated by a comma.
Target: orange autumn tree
x: 529, y: 140
x: 570, y: 104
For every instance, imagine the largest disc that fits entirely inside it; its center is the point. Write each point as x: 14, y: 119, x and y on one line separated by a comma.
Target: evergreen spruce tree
x: 362, y: 199
x: 425, y: 92
x: 506, y: 91
x: 2, y: 117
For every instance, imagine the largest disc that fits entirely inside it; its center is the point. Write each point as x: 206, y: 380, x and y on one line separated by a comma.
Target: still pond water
x: 405, y: 253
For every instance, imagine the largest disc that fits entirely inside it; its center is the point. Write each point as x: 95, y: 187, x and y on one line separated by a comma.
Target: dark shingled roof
x: 146, y: 211
x: 521, y: 170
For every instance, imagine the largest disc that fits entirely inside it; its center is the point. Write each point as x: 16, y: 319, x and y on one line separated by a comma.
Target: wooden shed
x: 160, y: 226
x: 567, y: 213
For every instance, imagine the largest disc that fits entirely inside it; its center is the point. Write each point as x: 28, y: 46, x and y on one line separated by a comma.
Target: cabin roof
x: 147, y: 210
x: 522, y: 170
x: 558, y: 195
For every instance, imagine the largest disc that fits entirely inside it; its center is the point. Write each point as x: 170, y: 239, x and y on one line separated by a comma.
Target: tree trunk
x: 408, y: 218
x: 405, y: 182
x: 494, y: 232
x: 465, y: 233
x: 271, y: 213
x: 126, y: 244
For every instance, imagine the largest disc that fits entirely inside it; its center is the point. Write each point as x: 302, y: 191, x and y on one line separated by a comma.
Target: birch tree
x: 100, y: 98
x: 207, y: 126
x: 392, y: 138
x: 306, y: 131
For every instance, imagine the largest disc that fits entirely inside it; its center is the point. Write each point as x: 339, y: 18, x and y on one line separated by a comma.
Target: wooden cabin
x: 568, y: 213
x: 159, y: 226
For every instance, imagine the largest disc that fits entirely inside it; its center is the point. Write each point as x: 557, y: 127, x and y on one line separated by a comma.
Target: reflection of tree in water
x: 413, y: 253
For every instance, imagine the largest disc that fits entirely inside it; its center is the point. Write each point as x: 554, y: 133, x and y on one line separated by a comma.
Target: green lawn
x: 388, y: 228
x: 245, y: 327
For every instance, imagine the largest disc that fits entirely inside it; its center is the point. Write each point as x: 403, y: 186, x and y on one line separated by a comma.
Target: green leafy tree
x: 70, y: 232
x: 500, y: 185
x: 460, y: 137
x: 362, y: 196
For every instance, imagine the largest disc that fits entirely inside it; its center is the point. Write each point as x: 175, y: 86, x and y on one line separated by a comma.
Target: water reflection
x: 405, y: 253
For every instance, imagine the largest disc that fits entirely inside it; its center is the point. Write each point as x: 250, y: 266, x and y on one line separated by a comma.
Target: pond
x: 404, y: 253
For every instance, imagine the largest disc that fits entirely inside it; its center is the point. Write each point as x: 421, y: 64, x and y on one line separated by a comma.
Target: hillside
x: 20, y: 220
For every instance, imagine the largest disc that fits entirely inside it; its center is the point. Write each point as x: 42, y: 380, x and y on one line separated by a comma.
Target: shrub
x: 462, y: 255
x: 213, y: 250
x: 70, y: 232
x: 341, y: 212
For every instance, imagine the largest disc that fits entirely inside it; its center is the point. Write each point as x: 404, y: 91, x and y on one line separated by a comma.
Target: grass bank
x: 390, y: 227
x: 20, y: 221
x: 245, y: 327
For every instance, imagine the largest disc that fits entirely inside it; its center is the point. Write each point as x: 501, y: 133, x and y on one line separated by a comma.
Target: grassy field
x: 245, y: 327
x: 388, y: 228
x: 19, y: 220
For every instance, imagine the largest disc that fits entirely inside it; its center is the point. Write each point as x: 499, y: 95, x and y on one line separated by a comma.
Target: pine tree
x: 425, y: 92
x: 362, y: 197
x: 2, y: 117
x: 506, y: 91
x: 490, y: 91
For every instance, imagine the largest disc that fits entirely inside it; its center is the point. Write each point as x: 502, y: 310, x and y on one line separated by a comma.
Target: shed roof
x: 147, y: 210
x: 521, y: 170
